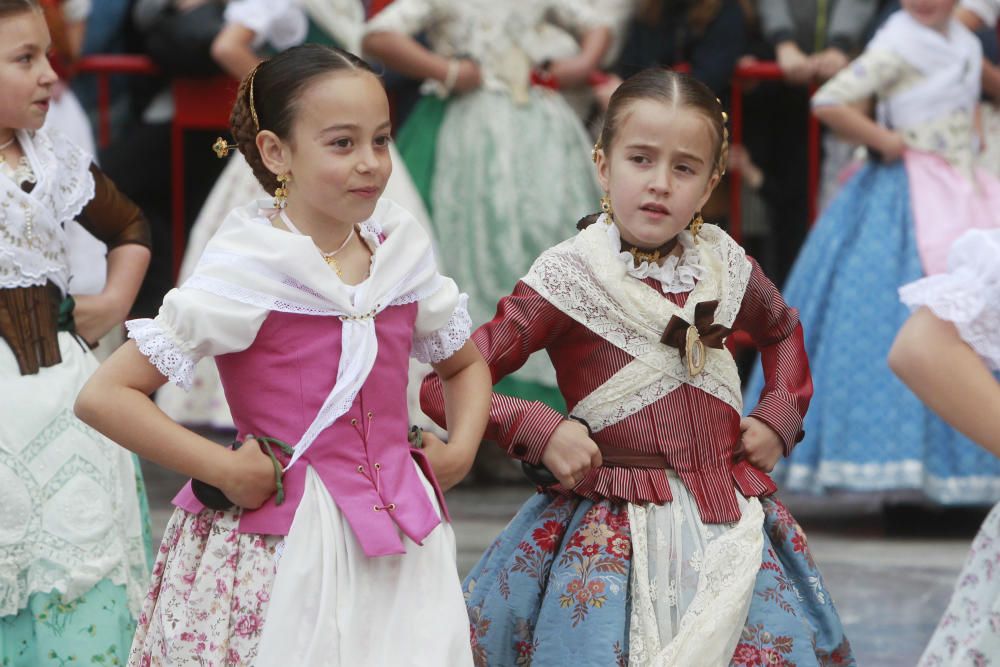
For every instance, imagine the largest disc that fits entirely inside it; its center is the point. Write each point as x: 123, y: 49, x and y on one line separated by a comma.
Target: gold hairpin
x: 223, y: 147
x: 253, y: 109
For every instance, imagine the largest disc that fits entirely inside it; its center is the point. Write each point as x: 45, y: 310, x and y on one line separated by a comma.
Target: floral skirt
x: 224, y: 598
x: 570, y: 581
x: 969, y: 631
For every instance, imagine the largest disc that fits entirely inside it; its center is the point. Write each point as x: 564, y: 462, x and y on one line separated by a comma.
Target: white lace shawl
x: 584, y: 278
x: 250, y: 268
x: 951, y: 64
x: 32, y: 237
x: 968, y: 295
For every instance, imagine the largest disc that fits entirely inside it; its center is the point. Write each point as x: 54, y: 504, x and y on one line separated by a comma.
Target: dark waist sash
x: 620, y: 457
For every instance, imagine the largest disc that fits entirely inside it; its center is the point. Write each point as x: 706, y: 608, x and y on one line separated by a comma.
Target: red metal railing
x: 103, y: 67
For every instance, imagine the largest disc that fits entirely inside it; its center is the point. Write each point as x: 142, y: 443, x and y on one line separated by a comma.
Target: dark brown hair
x: 8, y: 7
x: 277, y: 84
x: 673, y: 88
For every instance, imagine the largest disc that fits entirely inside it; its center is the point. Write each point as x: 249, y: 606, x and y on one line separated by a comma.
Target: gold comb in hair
x: 222, y: 147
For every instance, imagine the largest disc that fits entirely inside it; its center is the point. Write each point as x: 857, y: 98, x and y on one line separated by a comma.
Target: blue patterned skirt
x: 554, y: 589
x: 865, y: 431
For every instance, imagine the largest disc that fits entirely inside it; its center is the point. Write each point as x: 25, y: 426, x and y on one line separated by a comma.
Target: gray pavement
x: 890, y: 587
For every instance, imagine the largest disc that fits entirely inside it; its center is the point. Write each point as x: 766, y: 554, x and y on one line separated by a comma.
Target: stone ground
x: 890, y: 575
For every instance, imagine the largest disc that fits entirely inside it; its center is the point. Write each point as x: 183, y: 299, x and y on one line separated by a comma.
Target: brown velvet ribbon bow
x: 692, y: 339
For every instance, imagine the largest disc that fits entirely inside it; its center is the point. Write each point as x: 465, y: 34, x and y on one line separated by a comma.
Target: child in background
x: 893, y: 223
x: 73, y: 553
x: 499, y: 161
x: 311, y: 304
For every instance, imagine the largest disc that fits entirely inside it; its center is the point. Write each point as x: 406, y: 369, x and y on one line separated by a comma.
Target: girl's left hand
x: 449, y: 461
x: 96, y: 315
x: 760, y: 445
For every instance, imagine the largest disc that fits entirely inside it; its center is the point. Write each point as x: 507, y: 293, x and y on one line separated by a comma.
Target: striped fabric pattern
x: 695, y: 432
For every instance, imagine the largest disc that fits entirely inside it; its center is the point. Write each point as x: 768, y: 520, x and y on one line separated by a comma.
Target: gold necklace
x: 331, y: 261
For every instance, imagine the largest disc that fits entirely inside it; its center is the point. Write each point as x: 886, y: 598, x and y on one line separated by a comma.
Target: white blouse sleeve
x: 968, y: 295
x: 866, y: 76
x: 987, y: 10
x: 193, y: 324
x: 443, y: 324
x: 280, y: 23
x: 409, y: 17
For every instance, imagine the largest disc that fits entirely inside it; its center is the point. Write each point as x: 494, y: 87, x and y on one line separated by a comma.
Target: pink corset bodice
x: 276, y: 387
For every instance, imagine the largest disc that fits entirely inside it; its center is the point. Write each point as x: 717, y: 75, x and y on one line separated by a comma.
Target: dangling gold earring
x: 606, y: 208
x: 281, y: 192
x: 695, y: 225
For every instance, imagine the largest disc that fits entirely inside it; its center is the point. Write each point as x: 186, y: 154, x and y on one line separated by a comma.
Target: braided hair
x: 682, y: 90
x: 268, y: 97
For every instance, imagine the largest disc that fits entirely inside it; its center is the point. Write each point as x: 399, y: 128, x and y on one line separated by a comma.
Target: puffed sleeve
x: 443, y: 324
x: 193, y: 324
x: 873, y: 71
x: 988, y: 11
x: 280, y: 23
x: 407, y: 16
x: 968, y: 295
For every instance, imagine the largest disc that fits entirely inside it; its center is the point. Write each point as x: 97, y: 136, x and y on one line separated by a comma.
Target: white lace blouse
x: 968, y: 295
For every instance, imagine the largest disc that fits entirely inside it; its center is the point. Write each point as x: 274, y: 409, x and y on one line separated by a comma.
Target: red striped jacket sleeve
x: 776, y: 330
x: 525, y: 323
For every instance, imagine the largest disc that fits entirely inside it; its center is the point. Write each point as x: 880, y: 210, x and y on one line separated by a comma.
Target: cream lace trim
x: 584, y: 278
x: 711, y: 625
x: 21, y: 173
x: 677, y: 274
x: 163, y: 351
x: 32, y: 239
x: 449, y: 339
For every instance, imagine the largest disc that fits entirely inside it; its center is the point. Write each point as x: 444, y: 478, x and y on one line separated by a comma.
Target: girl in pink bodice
x: 311, y: 305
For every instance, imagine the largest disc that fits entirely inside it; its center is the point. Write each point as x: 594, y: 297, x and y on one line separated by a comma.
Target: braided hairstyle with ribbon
x: 268, y: 98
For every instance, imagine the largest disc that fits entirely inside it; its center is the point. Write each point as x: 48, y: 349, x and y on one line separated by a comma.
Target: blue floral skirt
x: 554, y: 589
x: 865, y: 430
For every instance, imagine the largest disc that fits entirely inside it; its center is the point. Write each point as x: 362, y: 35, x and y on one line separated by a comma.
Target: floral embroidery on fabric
x: 759, y: 647
x: 535, y: 557
x: 600, y: 545
x: 209, y: 594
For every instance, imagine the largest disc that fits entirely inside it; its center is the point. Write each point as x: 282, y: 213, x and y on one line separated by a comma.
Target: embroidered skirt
x: 865, y: 430
x: 224, y: 598
x: 571, y: 581
x: 74, y: 539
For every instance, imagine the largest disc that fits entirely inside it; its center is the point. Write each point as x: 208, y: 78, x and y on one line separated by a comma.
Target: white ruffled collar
x: 677, y: 275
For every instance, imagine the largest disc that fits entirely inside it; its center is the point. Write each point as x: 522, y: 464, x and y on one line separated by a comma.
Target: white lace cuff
x: 162, y: 351
x: 449, y: 339
x: 957, y: 299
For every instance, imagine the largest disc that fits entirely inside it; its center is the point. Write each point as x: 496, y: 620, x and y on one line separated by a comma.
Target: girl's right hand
x: 250, y: 476
x: 469, y: 77
x: 893, y: 147
x: 570, y: 453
